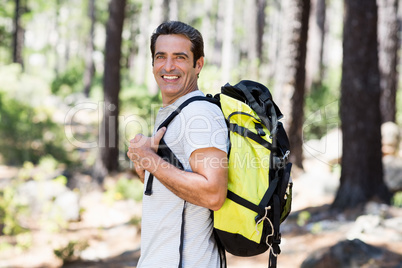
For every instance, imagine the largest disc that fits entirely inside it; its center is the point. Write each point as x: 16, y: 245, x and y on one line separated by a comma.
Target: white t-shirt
x: 199, y: 125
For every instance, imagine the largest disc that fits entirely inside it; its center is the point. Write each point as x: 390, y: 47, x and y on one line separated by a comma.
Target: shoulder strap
x: 184, y: 104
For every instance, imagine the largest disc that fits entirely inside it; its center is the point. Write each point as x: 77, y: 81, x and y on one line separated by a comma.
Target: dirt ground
x: 114, y: 242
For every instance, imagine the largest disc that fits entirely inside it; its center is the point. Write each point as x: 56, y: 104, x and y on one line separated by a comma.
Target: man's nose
x: 169, y: 65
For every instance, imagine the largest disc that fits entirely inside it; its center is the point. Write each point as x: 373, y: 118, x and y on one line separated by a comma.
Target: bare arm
x: 206, y: 186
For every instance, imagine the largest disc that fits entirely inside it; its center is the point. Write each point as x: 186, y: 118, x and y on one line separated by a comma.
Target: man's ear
x: 199, y: 64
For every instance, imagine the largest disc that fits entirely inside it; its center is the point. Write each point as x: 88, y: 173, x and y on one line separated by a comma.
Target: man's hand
x: 140, y: 149
x: 205, y: 186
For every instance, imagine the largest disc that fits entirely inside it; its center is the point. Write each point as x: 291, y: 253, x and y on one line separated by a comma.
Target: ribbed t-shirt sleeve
x: 204, y: 127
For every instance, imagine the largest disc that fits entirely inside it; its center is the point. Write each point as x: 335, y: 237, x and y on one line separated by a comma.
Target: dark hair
x: 177, y: 27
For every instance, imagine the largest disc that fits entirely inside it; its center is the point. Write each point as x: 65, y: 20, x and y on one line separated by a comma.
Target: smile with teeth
x: 170, y: 77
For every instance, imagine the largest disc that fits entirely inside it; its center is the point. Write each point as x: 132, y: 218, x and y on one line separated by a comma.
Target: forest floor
x: 113, y: 241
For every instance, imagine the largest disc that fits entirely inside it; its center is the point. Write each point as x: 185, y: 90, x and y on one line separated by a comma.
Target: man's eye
x: 159, y: 57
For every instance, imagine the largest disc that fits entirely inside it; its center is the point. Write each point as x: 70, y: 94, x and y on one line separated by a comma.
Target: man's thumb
x: 159, y: 135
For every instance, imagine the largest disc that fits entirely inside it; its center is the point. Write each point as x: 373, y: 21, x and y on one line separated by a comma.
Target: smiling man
x: 177, y: 228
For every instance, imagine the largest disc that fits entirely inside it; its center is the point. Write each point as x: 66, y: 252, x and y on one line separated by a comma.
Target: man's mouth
x: 170, y: 77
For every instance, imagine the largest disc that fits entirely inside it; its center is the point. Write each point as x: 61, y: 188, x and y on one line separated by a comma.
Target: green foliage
x: 138, y: 107
x: 135, y: 220
x: 124, y: 189
x: 24, y: 240
x: 48, y: 164
x: 6, y: 15
x: 27, y: 131
x: 11, y: 209
x: 322, y: 107
x: 303, y: 218
x: 71, y: 251
x: 14, y: 207
x: 397, y: 200
x: 316, y: 228
x: 209, y: 81
x: 4, y: 246
x: 139, y: 99
x: 70, y: 80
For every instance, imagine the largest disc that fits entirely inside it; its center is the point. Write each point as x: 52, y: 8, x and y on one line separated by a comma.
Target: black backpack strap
x: 182, y: 235
x: 249, y: 134
x: 184, y: 104
x: 270, y: 123
x: 267, y: 197
x: 276, y: 240
x: 245, y: 203
x: 166, y: 154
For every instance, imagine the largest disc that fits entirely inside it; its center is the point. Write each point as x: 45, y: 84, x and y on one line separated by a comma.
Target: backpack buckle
x: 277, y: 239
x: 286, y: 156
x: 259, y: 129
x: 280, y: 162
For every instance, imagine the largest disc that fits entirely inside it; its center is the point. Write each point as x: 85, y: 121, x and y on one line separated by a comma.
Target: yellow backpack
x: 259, y: 186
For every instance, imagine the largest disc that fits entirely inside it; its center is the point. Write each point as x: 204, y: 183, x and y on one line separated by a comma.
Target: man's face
x: 173, y: 68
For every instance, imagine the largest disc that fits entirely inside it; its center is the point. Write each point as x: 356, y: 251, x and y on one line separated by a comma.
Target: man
x: 176, y: 228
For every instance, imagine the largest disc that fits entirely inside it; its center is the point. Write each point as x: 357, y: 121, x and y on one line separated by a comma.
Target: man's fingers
x: 137, y: 138
x: 140, y: 172
x: 157, y: 137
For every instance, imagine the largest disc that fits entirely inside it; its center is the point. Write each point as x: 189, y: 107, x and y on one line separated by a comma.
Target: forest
x: 76, y: 85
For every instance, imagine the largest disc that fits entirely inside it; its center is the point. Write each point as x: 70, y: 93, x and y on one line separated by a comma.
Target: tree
x: 261, y: 5
x: 315, y: 46
x: 274, y: 36
x: 142, y: 56
x: 291, y: 89
x: 109, y: 138
x: 252, y: 43
x: 89, y: 62
x: 388, y: 56
x: 156, y: 18
x: 207, y: 28
x: 19, y: 32
x: 362, y: 171
x: 173, y: 8
x: 227, y: 45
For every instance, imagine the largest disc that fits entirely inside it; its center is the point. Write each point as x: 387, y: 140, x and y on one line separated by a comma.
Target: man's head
x: 177, y: 59
x: 177, y: 27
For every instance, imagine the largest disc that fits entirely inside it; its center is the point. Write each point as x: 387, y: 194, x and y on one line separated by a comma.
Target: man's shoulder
x: 204, y: 108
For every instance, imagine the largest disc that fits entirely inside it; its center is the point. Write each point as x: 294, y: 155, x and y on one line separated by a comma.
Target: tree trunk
x: 388, y: 56
x: 109, y: 137
x: 362, y: 171
x: 18, y: 35
x: 171, y: 8
x: 227, y: 45
x: 157, y: 16
x: 315, y: 46
x: 275, y: 38
x: 261, y: 5
x: 89, y: 62
x: 248, y: 45
x: 290, y: 94
x: 207, y: 30
x: 219, y: 34
x: 143, y: 56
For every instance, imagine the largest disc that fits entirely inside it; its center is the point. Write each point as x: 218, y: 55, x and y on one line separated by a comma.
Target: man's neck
x: 166, y: 101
